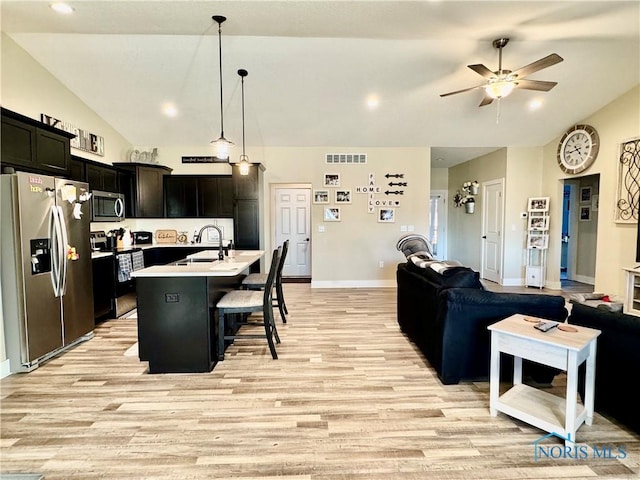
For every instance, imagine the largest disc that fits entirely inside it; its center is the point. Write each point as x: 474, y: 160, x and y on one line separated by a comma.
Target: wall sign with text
x: 84, y: 140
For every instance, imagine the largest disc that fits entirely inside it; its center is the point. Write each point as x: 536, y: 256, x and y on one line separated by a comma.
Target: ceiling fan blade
x: 538, y: 65
x: 539, y: 85
x: 461, y: 91
x: 482, y: 70
x: 486, y: 101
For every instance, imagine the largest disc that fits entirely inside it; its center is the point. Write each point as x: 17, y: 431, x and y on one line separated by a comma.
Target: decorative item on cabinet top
x: 143, y: 156
x: 83, y: 140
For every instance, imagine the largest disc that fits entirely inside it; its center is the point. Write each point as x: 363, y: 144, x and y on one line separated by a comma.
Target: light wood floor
x: 349, y: 398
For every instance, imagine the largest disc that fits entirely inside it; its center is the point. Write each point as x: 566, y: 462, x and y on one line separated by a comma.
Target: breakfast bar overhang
x: 177, y: 331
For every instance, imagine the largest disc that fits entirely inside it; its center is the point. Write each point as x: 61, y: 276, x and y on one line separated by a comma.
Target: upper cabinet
x: 142, y: 185
x: 102, y: 177
x: 32, y: 146
x: 198, y: 196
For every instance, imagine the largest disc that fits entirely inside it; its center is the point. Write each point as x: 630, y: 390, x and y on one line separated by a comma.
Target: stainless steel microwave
x: 107, y: 206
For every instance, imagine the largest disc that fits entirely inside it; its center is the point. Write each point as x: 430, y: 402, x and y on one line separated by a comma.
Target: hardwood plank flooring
x: 349, y: 398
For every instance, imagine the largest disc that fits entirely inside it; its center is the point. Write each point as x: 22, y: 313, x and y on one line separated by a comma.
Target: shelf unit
x: 632, y: 298
x: 537, y: 242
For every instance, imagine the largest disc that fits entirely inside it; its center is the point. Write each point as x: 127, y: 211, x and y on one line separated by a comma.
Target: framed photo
x: 387, y: 215
x: 321, y: 196
x: 538, y: 240
x: 539, y: 204
x: 585, y: 194
x: 331, y: 179
x: 538, y: 223
x: 585, y: 214
x: 332, y: 214
x: 343, y: 196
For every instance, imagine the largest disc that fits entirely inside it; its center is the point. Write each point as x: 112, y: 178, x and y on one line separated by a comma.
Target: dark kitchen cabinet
x: 198, y: 196
x: 101, y: 177
x: 247, y: 213
x: 32, y: 146
x: 215, y: 196
x: 143, y: 189
x: 180, y: 196
x: 77, y: 169
x: 103, y: 287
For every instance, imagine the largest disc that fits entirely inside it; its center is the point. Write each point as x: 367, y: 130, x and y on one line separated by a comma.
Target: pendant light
x: 244, y: 159
x: 221, y: 145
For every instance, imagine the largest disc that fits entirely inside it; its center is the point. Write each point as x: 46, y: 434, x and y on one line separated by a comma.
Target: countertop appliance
x: 98, y: 241
x: 107, y: 206
x: 46, y: 271
x: 142, y: 238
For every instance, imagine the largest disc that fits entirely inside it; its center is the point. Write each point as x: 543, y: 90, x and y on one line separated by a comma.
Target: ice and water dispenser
x: 40, y: 256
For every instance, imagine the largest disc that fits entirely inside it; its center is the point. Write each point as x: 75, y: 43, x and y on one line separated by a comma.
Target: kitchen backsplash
x: 188, y: 225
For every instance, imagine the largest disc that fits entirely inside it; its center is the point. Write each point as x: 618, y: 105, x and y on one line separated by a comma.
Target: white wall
x: 29, y: 89
x: 615, y: 123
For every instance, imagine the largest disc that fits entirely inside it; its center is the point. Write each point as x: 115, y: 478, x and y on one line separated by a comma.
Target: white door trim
x: 485, y: 186
x: 273, y: 187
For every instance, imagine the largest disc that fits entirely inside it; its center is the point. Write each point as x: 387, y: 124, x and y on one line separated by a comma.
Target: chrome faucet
x: 198, y: 238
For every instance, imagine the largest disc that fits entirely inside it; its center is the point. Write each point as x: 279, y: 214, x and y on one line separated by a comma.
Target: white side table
x: 565, y: 350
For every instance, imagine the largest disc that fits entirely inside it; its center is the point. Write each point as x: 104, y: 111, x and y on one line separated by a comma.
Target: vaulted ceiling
x: 314, y: 64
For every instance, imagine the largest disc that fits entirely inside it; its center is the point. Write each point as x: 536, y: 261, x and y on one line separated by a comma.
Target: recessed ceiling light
x: 535, y: 104
x: 63, y: 8
x: 373, y: 101
x: 170, y: 110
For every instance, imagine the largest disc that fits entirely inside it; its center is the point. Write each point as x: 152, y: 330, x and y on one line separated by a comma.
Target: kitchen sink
x: 191, y: 261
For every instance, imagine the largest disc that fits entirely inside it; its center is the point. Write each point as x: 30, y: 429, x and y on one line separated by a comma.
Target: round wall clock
x: 578, y: 149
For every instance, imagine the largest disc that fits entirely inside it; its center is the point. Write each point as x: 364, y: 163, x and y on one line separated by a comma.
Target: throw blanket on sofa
x: 436, y: 265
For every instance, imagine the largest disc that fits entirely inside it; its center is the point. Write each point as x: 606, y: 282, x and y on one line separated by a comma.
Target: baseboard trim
x: 512, y: 282
x: 354, y: 284
x: 5, y: 368
x: 584, y: 279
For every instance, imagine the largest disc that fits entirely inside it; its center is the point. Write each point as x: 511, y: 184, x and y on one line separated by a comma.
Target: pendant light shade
x: 221, y: 145
x: 244, y: 163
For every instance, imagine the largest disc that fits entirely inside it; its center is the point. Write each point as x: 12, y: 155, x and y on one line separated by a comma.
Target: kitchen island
x: 177, y: 331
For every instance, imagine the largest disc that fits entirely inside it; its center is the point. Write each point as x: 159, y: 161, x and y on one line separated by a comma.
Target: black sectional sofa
x: 446, y: 316
x: 617, y: 362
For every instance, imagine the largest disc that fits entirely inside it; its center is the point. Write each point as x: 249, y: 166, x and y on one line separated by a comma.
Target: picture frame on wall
x: 321, y: 196
x: 331, y: 179
x: 539, y: 204
x: 332, y: 214
x: 585, y: 214
x: 585, y: 194
x: 540, y: 223
x: 386, y: 215
x: 538, y: 240
x: 343, y: 196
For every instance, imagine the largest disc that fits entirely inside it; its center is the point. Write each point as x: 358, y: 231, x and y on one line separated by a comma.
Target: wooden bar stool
x: 257, y: 281
x: 247, y: 302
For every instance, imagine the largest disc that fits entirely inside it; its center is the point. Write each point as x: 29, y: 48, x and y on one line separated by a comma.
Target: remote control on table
x: 545, y: 326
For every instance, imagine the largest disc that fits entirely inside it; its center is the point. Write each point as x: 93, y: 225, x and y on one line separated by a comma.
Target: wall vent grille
x: 346, y: 158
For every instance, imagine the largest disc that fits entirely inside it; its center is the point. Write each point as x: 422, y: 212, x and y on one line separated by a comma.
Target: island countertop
x: 204, y: 264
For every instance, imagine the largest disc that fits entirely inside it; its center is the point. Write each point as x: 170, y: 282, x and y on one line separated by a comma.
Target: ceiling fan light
x: 222, y: 146
x: 499, y: 89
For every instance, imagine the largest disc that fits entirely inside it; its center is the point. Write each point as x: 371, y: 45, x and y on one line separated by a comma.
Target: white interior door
x: 492, y: 221
x: 293, y: 222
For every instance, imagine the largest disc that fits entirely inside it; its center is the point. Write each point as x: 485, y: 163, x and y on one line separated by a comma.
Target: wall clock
x: 578, y: 149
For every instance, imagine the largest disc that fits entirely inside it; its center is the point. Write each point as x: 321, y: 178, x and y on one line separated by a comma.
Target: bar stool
x: 247, y: 302
x: 257, y: 281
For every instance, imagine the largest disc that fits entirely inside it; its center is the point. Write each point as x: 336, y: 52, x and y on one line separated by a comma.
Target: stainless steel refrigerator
x: 47, y: 284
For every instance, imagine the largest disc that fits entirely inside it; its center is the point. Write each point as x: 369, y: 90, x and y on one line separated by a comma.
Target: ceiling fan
x: 502, y: 82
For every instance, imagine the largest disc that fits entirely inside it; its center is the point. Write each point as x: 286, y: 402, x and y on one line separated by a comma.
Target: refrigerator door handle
x: 55, y: 266
x: 118, y: 207
x: 54, y: 234
x: 63, y: 252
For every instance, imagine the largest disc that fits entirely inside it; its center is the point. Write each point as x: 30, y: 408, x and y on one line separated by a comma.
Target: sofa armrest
x: 464, y: 315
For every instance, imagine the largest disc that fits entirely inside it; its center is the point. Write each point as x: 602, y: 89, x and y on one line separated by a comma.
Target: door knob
x: 484, y: 236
